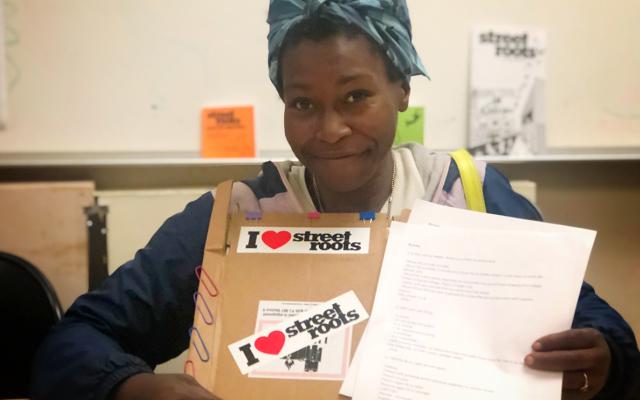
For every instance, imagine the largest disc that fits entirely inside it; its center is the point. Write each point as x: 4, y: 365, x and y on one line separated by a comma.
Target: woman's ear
x: 405, y: 93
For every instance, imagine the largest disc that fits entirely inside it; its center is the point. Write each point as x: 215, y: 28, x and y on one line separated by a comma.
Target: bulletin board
x: 132, y: 76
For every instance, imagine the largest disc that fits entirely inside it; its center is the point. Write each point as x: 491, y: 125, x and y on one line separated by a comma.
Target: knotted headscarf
x: 385, y: 21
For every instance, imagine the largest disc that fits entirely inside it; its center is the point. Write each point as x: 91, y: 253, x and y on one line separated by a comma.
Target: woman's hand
x: 161, y: 387
x: 575, y: 352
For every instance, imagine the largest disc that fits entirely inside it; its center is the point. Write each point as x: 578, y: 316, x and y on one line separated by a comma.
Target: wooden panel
x: 45, y: 224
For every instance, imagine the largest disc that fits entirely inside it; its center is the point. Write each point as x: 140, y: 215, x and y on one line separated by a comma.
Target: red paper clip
x: 209, y: 321
x: 205, y: 357
x: 199, y: 272
x: 190, y: 371
x: 313, y: 215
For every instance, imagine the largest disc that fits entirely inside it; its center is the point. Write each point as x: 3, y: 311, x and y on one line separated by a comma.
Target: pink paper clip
x: 313, y: 215
x: 204, y: 354
x: 199, y: 272
x: 190, y: 371
x: 209, y: 321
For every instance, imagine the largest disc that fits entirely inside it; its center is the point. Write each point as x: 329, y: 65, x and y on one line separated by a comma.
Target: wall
x: 122, y: 75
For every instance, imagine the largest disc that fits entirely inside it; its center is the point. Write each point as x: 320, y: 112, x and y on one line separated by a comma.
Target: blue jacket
x: 141, y: 314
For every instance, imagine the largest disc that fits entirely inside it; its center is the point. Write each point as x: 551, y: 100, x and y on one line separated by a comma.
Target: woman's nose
x: 332, y: 127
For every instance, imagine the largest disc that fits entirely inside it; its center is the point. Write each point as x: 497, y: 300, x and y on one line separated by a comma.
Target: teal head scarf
x: 386, y: 22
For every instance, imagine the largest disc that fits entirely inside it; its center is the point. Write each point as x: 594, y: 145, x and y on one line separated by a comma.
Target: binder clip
x: 253, y: 215
x: 367, y: 216
x: 313, y: 215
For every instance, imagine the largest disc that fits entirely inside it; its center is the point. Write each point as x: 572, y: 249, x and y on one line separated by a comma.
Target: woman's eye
x: 357, y: 96
x: 302, y: 104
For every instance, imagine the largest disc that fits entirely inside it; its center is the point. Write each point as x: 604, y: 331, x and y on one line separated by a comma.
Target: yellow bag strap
x: 471, y: 182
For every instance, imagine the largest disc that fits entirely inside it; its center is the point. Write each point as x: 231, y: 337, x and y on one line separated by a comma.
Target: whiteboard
x: 3, y: 60
x: 132, y: 75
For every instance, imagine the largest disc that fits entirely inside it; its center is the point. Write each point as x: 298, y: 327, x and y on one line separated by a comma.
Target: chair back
x: 29, y: 307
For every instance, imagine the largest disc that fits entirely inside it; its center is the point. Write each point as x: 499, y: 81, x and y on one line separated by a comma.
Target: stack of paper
x: 461, y: 298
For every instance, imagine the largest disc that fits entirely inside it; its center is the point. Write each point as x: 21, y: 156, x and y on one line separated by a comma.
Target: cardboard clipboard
x: 232, y: 285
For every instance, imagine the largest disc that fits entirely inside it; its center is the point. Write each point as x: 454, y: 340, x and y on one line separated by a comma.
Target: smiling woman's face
x: 340, y: 109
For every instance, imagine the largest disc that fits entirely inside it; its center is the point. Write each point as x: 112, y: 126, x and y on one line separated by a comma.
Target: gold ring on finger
x: 585, y: 386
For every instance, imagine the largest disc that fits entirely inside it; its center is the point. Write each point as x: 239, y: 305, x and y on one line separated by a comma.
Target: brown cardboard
x: 245, y: 279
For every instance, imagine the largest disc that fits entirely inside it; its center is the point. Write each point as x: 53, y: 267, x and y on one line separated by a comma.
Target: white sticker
x: 304, y: 240
x: 293, y: 334
x: 324, y: 359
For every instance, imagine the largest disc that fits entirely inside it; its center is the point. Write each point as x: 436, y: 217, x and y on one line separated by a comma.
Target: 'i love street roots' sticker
x: 296, y: 333
x: 323, y: 359
x: 304, y: 240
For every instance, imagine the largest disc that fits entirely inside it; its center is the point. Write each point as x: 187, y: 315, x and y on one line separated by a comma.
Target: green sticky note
x: 410, y: 126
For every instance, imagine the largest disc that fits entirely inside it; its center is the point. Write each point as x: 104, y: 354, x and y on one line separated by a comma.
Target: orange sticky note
x: 227, y: 132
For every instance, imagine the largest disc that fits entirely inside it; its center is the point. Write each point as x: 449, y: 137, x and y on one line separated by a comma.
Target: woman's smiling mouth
x: 338, y: 156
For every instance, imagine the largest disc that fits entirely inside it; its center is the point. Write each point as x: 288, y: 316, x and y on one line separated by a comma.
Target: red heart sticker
x: 275, y: 239
x: 271, y: 344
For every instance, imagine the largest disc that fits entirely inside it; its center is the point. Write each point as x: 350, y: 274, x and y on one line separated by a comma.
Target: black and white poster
x: 507, y: 91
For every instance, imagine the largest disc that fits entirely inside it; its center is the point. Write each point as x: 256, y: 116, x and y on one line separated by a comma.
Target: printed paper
x: 443, y: 292
x: 410, y: 126
x: 324, y: 359
x: 227, y: 132
x: 320, y: 322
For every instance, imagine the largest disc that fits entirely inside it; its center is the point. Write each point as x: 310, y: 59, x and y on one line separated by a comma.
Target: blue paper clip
x: 367, y: 216
x: 313, y: 215
x: 253, y: 215
x: 210, y: 319
x: 206, y: 357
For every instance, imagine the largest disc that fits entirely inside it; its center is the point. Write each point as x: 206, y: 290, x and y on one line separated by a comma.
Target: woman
x: 342, y: 69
